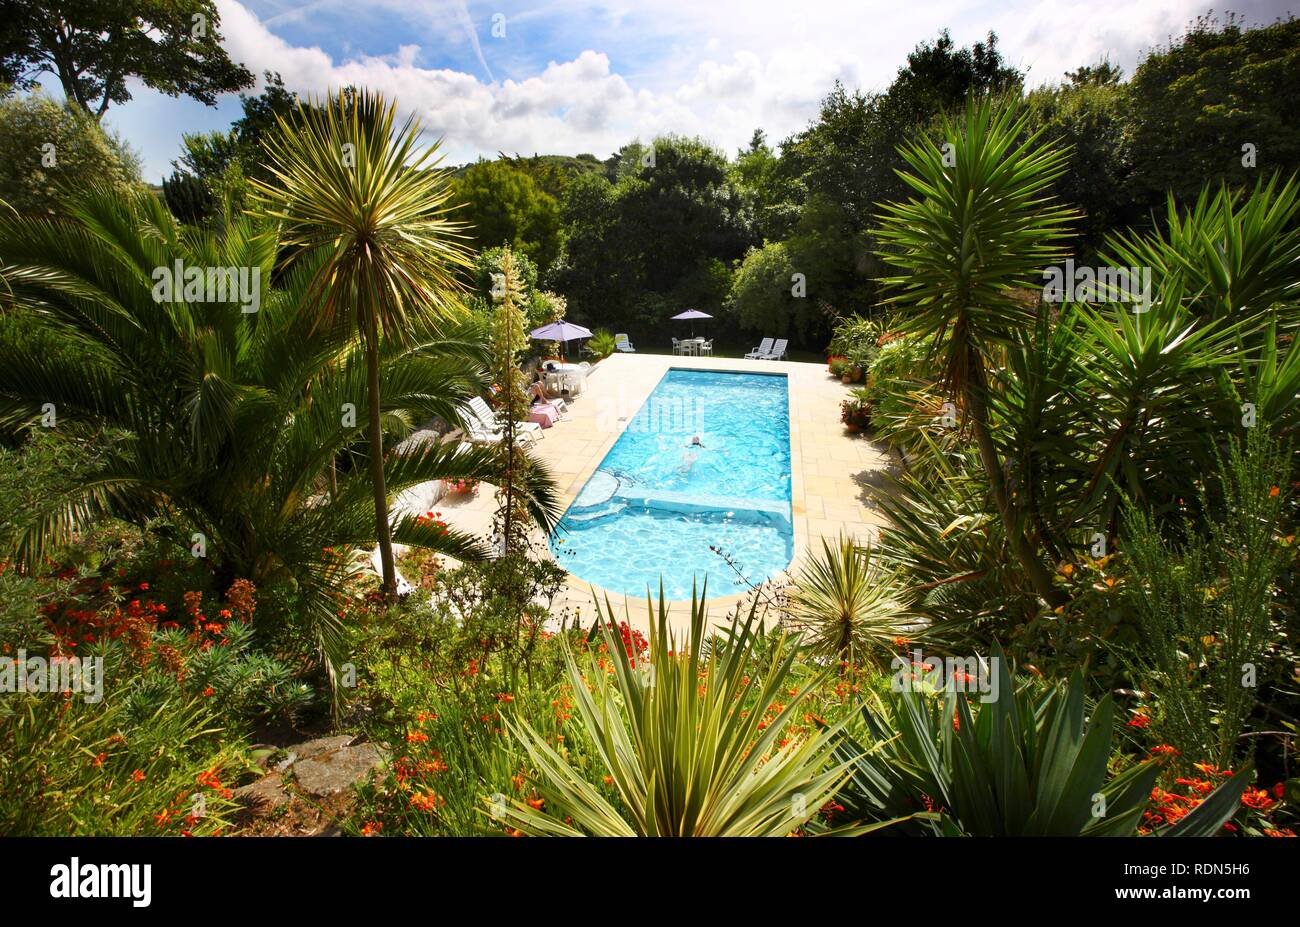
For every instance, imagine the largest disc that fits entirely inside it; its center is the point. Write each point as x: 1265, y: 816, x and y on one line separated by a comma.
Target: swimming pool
x: 659, y: 505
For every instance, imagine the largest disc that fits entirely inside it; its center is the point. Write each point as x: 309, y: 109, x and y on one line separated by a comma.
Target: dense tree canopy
x: 504, y: 206
x: 49, y: 149
x: 95, y: 47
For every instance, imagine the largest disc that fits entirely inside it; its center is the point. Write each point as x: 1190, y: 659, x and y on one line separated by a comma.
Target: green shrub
x: 1205, y: 607
x: 601, y: 344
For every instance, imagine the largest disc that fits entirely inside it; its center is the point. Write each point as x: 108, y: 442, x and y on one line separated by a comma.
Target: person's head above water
x: 696, y: 442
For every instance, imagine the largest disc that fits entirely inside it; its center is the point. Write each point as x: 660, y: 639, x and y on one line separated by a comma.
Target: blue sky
x: 569, y: 76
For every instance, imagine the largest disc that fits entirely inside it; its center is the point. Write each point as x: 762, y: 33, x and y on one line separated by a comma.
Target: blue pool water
x: 657, y: 503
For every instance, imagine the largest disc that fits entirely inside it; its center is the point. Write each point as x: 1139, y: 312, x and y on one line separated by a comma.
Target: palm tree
x: 346, y: 185
x: 983, y: 228
x: 224, y: 422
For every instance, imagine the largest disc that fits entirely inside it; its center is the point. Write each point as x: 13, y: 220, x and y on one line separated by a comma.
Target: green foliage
x: 1089, y: 119
x: 97, y: 49
x: 387, y: 271
x: 49, y: 151
x: 855, y: 338
x: 503, y: 206
x: 601, y: 344
x: 848, y: 606
x: 1027, y: 761
x: 657, y: 240
x: 68, y: 768
x: 1205, y: 607
x: 760, y: 297
x: 1231, y: 254
x: 209, y: 179
x: 669, y: 728
x: 1195, y: 103
x: 964, y: 297
x: 219, y: 430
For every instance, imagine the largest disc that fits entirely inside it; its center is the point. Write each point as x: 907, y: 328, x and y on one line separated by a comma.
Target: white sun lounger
x: 763, y: 349
x: 490, y: 422
x: 778, y: 350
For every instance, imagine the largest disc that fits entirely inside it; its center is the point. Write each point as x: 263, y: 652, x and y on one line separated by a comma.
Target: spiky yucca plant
x: 978, y: 235
x: 846, y: 605
x: 681, y: 734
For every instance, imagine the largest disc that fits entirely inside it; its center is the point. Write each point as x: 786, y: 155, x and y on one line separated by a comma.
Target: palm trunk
x: 382, y: 529
x: 1039, y: 576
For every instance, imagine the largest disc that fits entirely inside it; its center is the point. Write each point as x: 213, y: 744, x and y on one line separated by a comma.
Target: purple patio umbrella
x: 692, y: 314
x: 560, y: 331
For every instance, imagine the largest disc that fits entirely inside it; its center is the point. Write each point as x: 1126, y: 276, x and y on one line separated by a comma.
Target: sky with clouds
x: 571, y: 76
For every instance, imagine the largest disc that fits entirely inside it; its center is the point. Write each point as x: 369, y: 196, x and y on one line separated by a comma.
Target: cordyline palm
x: 345, y: 183
x: 225, y: 422
x: 683, y: 739
x: 982, y: 230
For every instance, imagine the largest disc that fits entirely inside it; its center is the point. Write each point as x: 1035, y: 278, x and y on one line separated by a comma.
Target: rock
x: 311, y: 748
x: 266, y: 793
x: 330, y: 773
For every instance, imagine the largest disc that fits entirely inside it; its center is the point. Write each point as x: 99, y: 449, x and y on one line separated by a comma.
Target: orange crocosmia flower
x: 1273, y: 492
x: 137, y: 776
x: 209, y: 691
x: 1067, y: 569
x: 536, y: 803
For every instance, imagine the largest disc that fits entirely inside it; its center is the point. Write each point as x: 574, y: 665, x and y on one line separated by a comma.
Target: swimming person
x: 696, y: 442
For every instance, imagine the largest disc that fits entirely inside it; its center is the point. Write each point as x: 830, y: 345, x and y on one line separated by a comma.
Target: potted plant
x: 855, y: 413
x: 460, y: 487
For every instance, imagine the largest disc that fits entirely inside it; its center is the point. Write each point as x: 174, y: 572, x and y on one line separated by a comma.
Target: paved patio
x: 830, y: 468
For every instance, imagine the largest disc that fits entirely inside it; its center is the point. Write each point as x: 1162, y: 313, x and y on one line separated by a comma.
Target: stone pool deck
x: 831, y: 469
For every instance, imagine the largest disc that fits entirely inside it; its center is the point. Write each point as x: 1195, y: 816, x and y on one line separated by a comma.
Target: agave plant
x: 976, y: 239
x: 230, y: 422
x: 683, y: 738
x: 846, y: 605
x: 1030, y: 762
x: 371, y: 209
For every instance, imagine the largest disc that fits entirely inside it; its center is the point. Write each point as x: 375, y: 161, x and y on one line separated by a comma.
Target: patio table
x: 569, y: 377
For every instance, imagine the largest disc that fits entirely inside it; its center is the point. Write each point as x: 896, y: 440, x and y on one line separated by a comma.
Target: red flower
x: 1139, y: 721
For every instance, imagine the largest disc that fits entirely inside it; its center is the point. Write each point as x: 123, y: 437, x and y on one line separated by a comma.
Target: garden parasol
x: 560, y: 331
x: 692, y: 314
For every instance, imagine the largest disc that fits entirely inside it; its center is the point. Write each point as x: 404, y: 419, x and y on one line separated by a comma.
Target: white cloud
x: 702, y: 68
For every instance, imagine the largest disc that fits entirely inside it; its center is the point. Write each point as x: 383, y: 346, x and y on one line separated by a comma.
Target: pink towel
x: 545, y: 415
